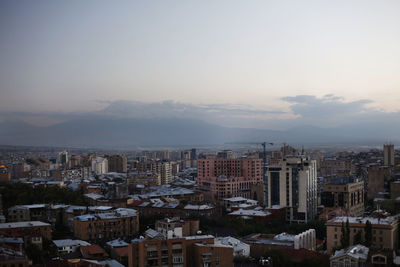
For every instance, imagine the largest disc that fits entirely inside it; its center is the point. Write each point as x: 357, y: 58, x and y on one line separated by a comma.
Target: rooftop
x: 22, y: 224
x: 356, y: 251
x: 363, y: 220
x: 70, y: 243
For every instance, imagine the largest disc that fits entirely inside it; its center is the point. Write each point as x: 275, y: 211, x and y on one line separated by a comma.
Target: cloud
x: 329, y: 111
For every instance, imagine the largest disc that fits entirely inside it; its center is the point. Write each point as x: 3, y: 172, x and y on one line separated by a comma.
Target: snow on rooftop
x: 70, y: 243
x: 235, y: 199
x: 117, y: 243
x: 284, y: 237
x: 363, y: 220
x: 197, y: 207
x: 251, y: 213
x: 94, y: 196
x: 198, y: 237
x: 32, y: 206
x: 356, y: 251
x: 22, y: 224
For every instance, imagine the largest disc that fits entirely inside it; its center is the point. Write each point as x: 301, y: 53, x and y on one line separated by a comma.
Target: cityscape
x: 199, y: 133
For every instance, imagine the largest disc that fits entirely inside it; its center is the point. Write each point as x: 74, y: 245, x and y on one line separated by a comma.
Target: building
x: 107, y: 225
x: 5, y: 174
x: 384, y: 231
x: 221, y: 178
x: 261, y: 243
x: 21, y: 213
x: 93, y: 252
x: 166, y: 172
x: 240, y: 249
x: 117, y: 163
x: 143, y: 178
x: 395, y: 189
x: 62, y: 158
x: 388, y: 155
x: 346, y: 193
x: 336, y: 167
x: 66, y: 246
x: 32, y: 232
x: 99, y: 165
x: 377, y: 175
x: 234, y: 203
x: 356, y: 256
x: 292, y: 183
x: 190, y: 251
x: 176, y: 227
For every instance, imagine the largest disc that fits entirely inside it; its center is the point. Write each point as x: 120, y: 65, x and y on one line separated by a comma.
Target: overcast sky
x: 255, y: 59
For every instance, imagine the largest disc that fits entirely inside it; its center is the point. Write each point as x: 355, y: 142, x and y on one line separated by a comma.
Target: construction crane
x: 264, y: 145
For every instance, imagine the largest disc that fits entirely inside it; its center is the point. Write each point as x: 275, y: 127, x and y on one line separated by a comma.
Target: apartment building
x: 190, y: 251
x: 109, y: 225
x: 384, y: 231
x: 21, y: 213
x: 221, y: 178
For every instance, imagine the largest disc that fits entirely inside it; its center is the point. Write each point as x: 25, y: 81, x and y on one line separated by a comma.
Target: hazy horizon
x: 263, y: 65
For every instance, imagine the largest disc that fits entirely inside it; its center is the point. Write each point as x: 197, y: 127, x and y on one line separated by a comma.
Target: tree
x: 368, y: 233
x: 343, y: 242
x: 345, y: 236
x: 255, y: 195
x: 357, y: 238
x: 347, y: 232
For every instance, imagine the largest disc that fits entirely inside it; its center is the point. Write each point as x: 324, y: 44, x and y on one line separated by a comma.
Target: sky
x: 258, y: 64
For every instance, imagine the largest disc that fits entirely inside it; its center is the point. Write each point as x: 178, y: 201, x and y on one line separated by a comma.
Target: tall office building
x: 292, y: 183
x: 388, y: 155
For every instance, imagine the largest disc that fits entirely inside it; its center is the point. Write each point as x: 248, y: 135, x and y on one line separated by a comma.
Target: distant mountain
x: 129, y: 133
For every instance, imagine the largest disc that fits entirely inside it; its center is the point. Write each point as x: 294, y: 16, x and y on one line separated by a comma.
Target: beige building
x: 292, y: 183
x: 388, y: 155
x: 384, y: 231
x: 346, y: 193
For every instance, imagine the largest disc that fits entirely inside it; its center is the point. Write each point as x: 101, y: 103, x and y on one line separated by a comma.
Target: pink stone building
x: 223, y: 178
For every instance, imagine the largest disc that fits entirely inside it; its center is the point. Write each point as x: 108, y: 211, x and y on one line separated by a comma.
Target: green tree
x: 343, y: 241
x: 357, y: 238
x: 347, y: 232
x: 368, y: 233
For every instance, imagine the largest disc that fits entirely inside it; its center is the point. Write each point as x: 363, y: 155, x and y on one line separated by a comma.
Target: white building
x: 65, y: 246
x: 292, y: 183
x: 99, y: 165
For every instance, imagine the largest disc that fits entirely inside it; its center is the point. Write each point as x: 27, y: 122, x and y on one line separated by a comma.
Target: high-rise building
x: 388, y: 155
x: 117, y: 163
x: 166, y: 173
x: 226, y: 177
x: 292, y: 183
x: 376, y: 178
x: 99, y: 165
x: 62, y: 157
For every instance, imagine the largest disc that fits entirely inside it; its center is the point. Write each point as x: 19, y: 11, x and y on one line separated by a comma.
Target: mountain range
x: 134, y: 132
